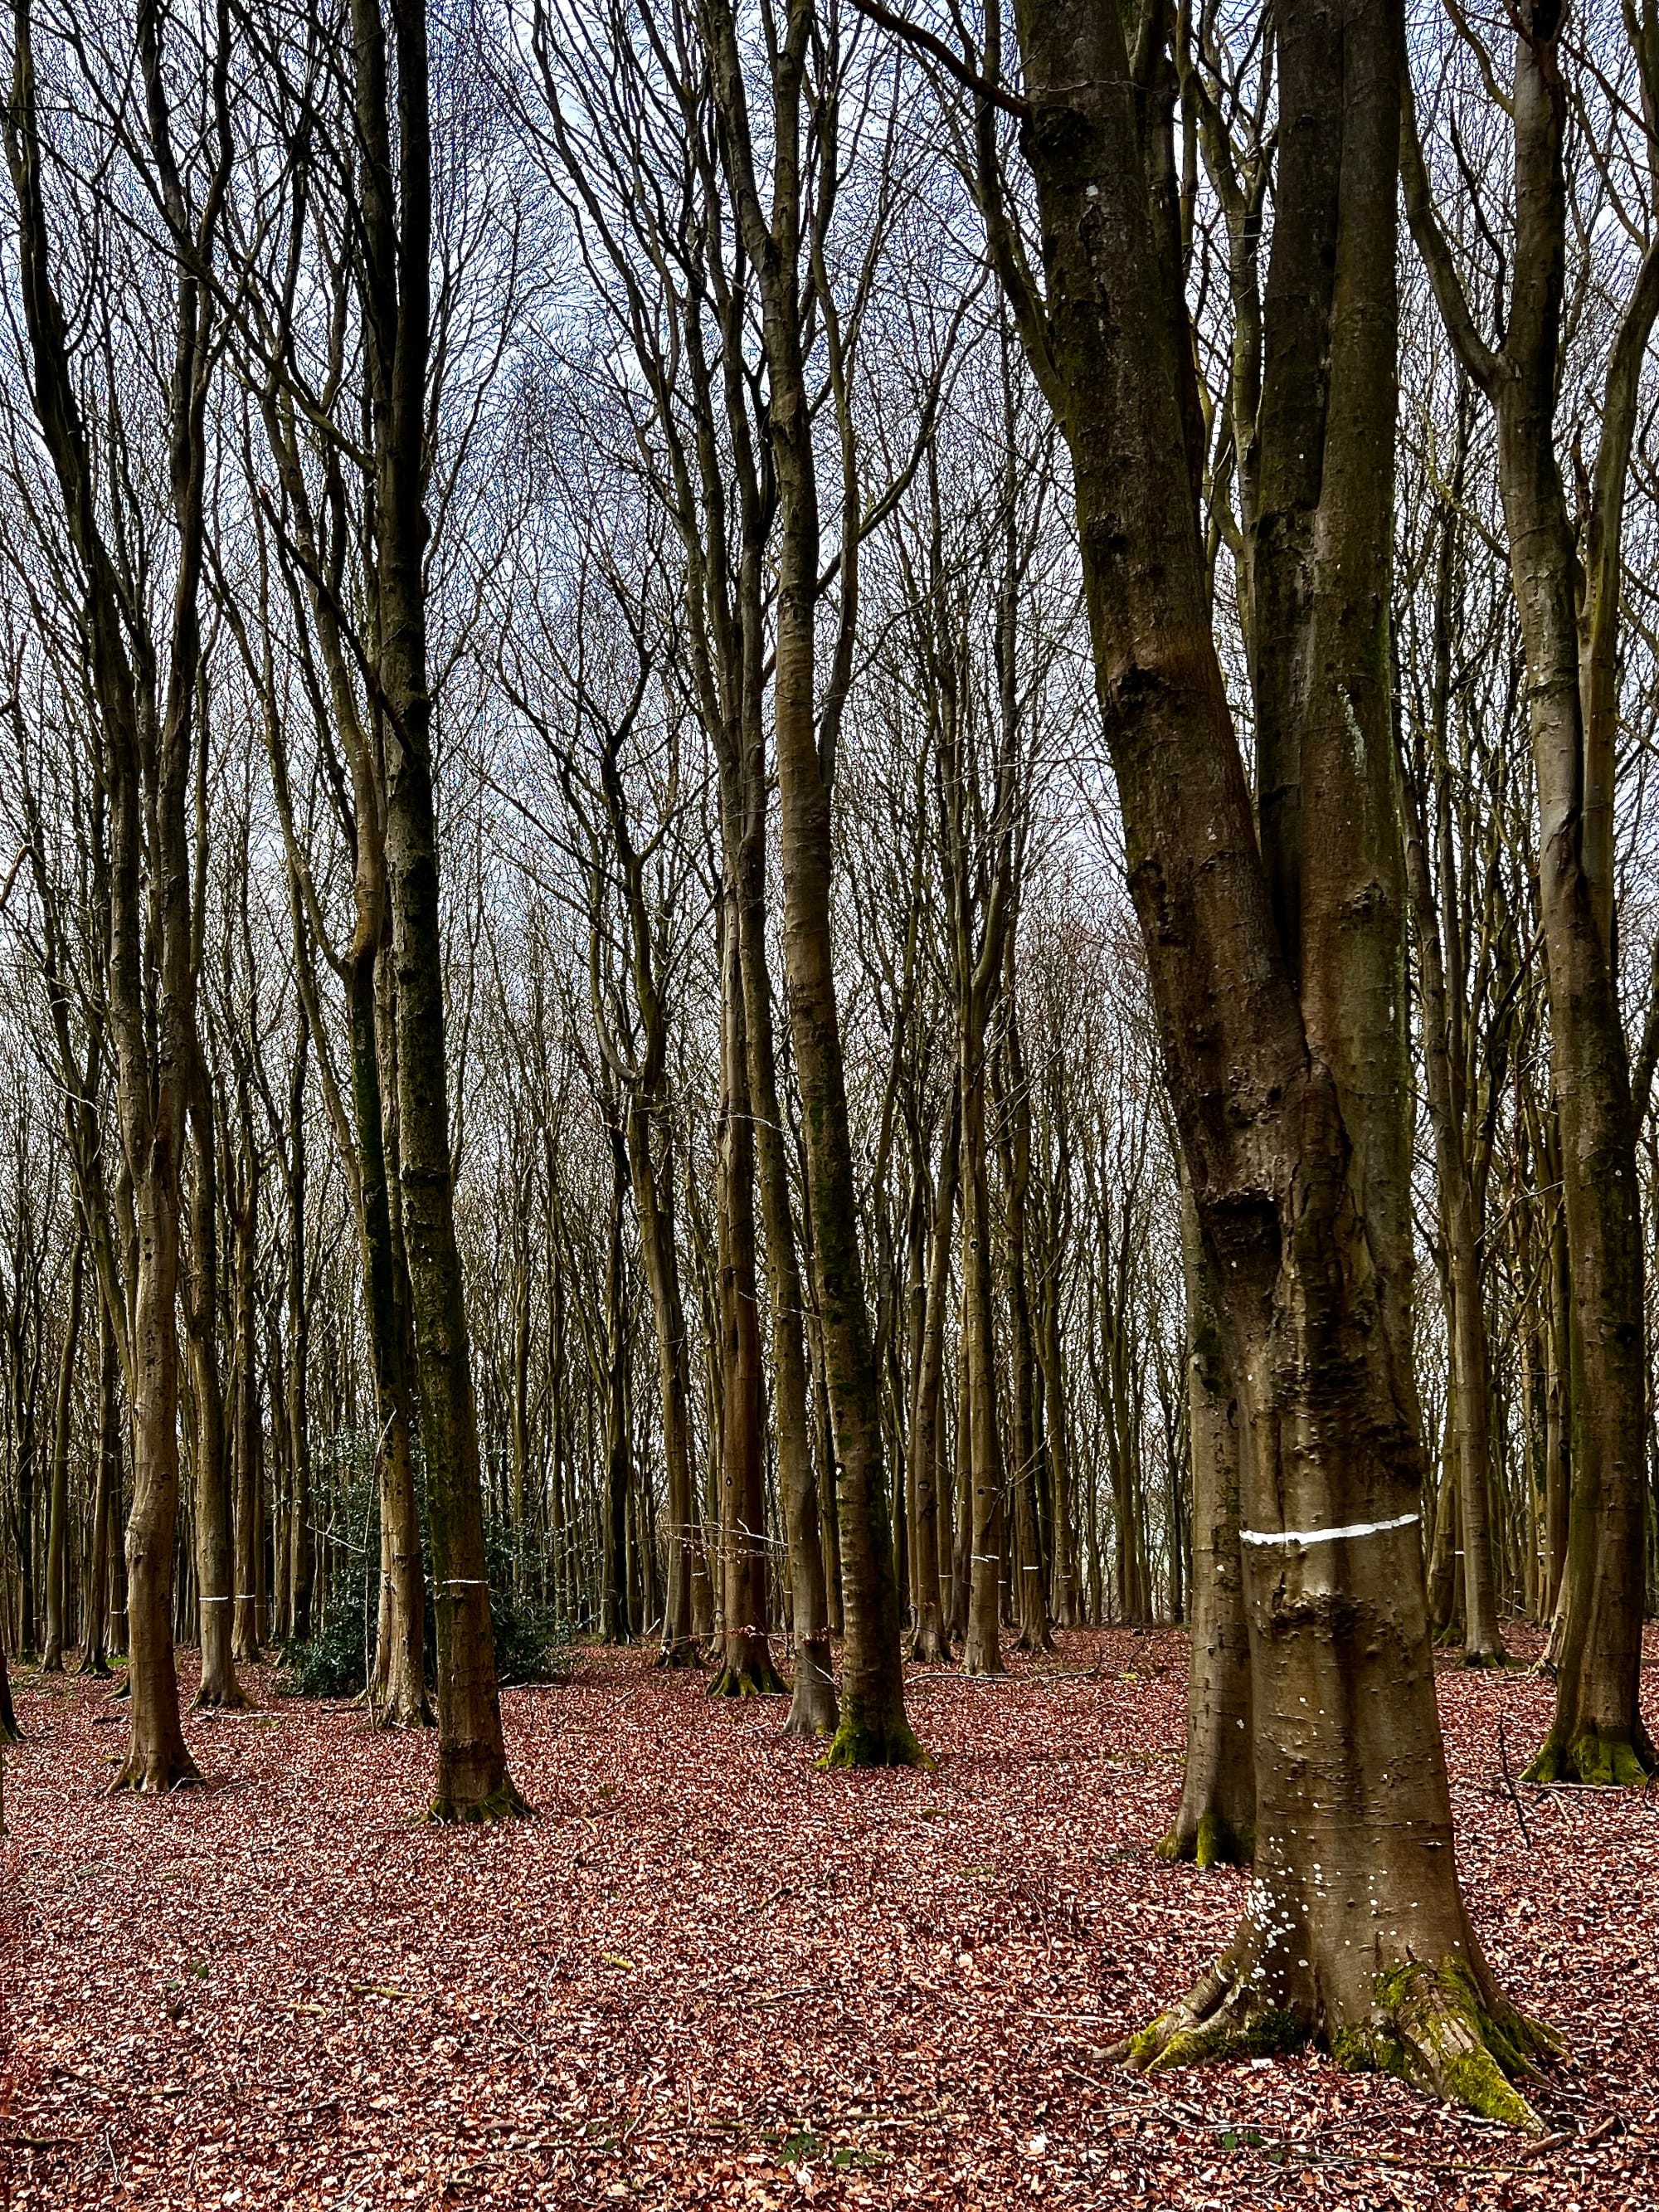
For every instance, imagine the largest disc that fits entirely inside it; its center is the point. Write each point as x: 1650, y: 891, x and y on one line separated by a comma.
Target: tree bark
x: 1286, y: 1058
x: 473, y: 1782
x: 51, y: 1656
x: 1215, y: 1822
x: 1597, y: 1735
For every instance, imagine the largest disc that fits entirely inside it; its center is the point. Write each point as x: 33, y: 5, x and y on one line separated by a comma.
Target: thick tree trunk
x: 1284, y: 1045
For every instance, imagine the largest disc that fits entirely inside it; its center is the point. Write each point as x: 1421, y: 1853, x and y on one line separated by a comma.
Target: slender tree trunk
x: 929, y: 1639
x: 1597, y: 1735
x: 52, y: 1658
x: 94, y: 1642
x: 1215, y: 1822
x: 473, y: 1782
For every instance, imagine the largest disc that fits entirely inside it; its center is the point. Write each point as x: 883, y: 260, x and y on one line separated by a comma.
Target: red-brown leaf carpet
x: 706, y: 1973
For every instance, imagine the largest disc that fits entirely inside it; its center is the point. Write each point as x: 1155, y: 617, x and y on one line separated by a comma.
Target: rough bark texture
x: 1286, y: 1059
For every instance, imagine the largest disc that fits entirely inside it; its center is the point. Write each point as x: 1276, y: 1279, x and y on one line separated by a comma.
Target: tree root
x: 1211, y: 1840
x: 682, y: 1651
x: 503, y: 1803
x: 755, y: 1678
x: 221, y: 1697
x: 156, y: 1774
x: 861, y: 1740
x: 1428, y: 2025
x: 1600, y: 1762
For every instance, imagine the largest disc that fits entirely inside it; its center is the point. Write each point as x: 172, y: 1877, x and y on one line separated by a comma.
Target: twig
x: 1508, y: 1783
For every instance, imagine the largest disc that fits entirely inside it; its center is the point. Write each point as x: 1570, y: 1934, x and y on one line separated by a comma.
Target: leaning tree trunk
x: 1286, y: 1058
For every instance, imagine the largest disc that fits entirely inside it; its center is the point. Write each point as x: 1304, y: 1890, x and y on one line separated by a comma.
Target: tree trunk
x: 929, y: 1641
x: 1285, y: 1046
x: 51, y: 1658
x: 1597, y: 1735
x: 473, y: 1782
x: 746, y: 1669
x: 1215, y: 1822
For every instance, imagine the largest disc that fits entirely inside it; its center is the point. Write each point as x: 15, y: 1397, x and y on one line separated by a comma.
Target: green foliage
x: 532, y: 1644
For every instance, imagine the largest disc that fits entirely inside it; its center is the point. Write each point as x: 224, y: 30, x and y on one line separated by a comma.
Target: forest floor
x: 708, y: 1974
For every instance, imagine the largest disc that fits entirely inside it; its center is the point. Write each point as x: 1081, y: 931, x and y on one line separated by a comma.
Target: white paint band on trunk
x: 1326, y: 1536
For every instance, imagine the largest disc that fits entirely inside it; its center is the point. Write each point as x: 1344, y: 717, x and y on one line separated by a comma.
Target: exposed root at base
x: 681, y: 1652
x: 1600, y: 1762
x: 222, y: 1699
x: 399, y: 1713
x: 859, y: 1741
x: 752, y: 1681
x: 1210, y: 1841
x: 1428, y: 2026
x: 148, y: 1776
x: 502, y: 1804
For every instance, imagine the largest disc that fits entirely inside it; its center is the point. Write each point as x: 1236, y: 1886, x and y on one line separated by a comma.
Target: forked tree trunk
x: 872, y: 1728
x: 1286, y: 1058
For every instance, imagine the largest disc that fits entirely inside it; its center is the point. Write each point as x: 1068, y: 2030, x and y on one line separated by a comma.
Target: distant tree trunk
x: 615, y: 1625
x: 94, y: 1640
x: 929, y: 1638
x: 246, y: 1455
x: 1483, y: 1644
x: 52, y: 1658
x: 1031, y: 1596
x: 746, y: 1668
x: 301, y: 1545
